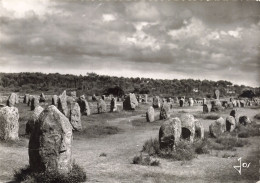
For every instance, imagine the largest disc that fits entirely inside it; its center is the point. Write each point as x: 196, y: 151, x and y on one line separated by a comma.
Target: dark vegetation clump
x: 183, y: 150
x: 76, y: 175
x: 145, y: 160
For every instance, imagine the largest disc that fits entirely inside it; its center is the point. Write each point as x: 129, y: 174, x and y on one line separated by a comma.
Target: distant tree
x: 116, y: 91
x: 247, y: 94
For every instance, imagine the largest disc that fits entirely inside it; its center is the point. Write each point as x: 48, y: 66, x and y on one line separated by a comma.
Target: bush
x: 147, y: 161
x: 257, y: 116
x: 201, y: 146
x: 76, y: 175
x: 152, y: 147
x: 228, y: 142
x: 183, y: 150
x: 249, y: 130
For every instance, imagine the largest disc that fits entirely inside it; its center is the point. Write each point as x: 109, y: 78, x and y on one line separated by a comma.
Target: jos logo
x: 241, y: 165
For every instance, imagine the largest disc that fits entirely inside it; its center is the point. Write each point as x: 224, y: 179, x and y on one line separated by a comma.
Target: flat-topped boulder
x: 9, y: 125
x: 50, y: 142
x: 169, y: 133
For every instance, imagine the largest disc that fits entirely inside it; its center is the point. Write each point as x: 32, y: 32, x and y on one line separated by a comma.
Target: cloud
x: 167, y: 39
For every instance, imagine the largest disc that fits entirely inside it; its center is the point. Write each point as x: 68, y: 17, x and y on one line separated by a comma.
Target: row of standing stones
x: 51, y: 128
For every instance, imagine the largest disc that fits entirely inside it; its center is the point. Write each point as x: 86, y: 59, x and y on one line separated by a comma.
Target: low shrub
x: 257, y: 116
x: 228, y: 142
x: 183, y: 150
x: 147, y: 161
x: 201, y: 146
x: 76, y: 175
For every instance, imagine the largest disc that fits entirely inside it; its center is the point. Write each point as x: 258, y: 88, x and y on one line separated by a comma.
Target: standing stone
x: 204, y: 101
x: 130, y: 102
x: 176, y: 100
x: 156, y: 102
x: 26, y: 98
x: 191, y: 101
x: 84, y: 107
x: 181, y: 102
x: 199, y: 129
x: 62, y: 103
x: 33, y: 118
x: 50, y: 142
x: 12, y: 100
x: 230, y: 123
x: 73, y: 94
x: 9, y: 124
x: 216, y: 94
x: 75, y: 116
x: 145, y: 98
x: 188, y: 126
x: 54, y: 100
x: 42, y: 98
x: 238, y: 103
x: 233, y: 113
x: 216, y: 106
x: 34, y: 103
x: 113, y: 105
x: 169, y: 133
x: 206, y: 108
x: 164, y: 113
x: 244, y: 120
x: 150, y: 114
x: 101, y: 106
x: 30, y: 100
x: 217, y: 127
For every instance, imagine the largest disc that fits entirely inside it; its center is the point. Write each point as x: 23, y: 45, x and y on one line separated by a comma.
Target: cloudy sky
x: 168, y: 40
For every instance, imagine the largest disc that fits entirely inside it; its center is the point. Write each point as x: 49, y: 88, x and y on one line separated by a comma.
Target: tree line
x: 92, y: 83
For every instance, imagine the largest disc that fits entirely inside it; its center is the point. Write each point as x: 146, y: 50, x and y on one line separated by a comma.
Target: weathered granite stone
x: 169, y: 133
x: 62, y: 103
x: 188, y: 127
x: 75, y: 116
x: 218, y: 127
x: 150, y: 114
x: 50, y: 142
x: 101, y: 106
x: 130, y: 102
x: 230, y: 123
x: 9, y: 124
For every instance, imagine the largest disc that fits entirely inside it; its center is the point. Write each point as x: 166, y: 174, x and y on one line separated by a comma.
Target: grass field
x: 109, y: 142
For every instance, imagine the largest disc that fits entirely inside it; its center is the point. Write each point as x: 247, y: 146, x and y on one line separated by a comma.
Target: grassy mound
x: 76, y: 175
